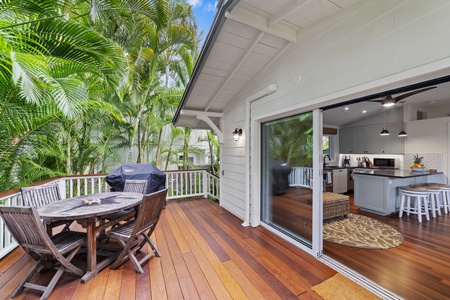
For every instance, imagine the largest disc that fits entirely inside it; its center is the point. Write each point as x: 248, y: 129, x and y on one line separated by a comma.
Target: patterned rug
x: 361, y: 232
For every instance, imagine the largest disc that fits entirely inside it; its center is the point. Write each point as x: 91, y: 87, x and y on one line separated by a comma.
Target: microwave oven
x: 388, y: 163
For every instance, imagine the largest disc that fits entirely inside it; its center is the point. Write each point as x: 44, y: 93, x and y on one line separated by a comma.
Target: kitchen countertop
x: 398, y: 173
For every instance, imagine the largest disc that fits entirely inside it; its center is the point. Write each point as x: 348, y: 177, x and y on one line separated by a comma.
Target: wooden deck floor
x: 206, y: 254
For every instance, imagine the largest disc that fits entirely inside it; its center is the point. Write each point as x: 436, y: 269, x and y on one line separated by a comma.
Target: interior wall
x: 382, y: 45
x: 427, y: 137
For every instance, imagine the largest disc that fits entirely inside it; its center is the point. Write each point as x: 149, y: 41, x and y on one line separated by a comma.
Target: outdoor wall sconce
x: 237, y: 134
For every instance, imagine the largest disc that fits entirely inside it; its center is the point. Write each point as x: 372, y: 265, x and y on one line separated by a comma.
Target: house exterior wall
x: 366, y: 48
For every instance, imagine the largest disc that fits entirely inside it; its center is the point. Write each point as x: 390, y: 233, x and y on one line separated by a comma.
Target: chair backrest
x: 27, y: 229
x: 37, y: 196
x: 136, y: 186
x: 149, y: 211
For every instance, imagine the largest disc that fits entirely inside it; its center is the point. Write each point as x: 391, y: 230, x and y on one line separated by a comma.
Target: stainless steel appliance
x: 384, y: 163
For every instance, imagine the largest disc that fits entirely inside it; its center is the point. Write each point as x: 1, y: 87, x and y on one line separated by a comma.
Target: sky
x: 204, y: 11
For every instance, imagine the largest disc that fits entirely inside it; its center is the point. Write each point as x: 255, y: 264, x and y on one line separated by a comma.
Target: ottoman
x: 335, y: 205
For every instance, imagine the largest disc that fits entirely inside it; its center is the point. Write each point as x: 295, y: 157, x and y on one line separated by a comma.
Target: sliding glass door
x: 286, y: 176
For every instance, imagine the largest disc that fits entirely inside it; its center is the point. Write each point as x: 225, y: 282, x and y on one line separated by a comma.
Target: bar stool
x: 436, y: 191
x: 445, y: 196
x: 420, y: 197
x: 434, y: 196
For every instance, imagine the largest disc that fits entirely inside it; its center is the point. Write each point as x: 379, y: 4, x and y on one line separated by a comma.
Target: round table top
x: 76, y: 208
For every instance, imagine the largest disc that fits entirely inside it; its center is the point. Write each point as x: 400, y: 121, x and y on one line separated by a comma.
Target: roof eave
x: 213, y: 33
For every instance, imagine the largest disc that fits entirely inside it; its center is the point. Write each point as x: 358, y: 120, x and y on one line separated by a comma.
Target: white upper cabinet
x: 367, y: 140
x: 392, y: 143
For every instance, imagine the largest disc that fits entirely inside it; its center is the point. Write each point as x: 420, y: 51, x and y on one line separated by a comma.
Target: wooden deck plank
x: 186, y: 284
x: 170, y: 276
x: 210, y: 249
x: 112, y: 288
x: 199, y: 223
x: 9, y: 287
x: 203, y: 289
x: 247, y: 270
x: 240, y: 245
x: 158, y: 287
x: 214, y: 280
x: 128, y: 283
x: 181, y: 240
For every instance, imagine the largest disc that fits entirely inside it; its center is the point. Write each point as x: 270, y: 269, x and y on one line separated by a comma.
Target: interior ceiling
x: 437, y: 100
x: 254, y: 33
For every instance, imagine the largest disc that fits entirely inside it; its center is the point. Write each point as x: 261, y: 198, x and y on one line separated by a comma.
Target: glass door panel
x: 286, y: 179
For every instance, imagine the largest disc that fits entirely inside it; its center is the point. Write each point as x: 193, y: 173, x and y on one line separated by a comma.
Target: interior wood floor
x: 205, y: 254
x: 417, y: 269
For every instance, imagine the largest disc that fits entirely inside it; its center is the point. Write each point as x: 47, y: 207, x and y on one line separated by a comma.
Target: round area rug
x: 361, y: 232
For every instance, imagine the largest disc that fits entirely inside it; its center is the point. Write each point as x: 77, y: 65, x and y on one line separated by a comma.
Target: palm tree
x: 54, y: 66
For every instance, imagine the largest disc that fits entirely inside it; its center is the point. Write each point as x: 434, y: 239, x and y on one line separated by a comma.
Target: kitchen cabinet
x: 340, y: 181
x: 393, y: 144
x: 363, y: 140
x: 346, y: 140
x: 367, y: 140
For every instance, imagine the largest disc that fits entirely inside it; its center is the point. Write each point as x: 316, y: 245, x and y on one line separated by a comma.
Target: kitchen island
x: 376, y: 190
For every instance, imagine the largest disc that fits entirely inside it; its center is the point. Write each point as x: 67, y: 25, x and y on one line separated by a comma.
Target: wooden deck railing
x: 181, y: 184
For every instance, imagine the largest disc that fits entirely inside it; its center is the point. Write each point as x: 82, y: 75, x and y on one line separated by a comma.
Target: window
x: 326, y: 145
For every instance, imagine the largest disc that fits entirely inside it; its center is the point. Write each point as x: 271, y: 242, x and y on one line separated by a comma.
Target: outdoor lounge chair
x: 143, y: 226
x: 51, y: 252
x: 37, y: 196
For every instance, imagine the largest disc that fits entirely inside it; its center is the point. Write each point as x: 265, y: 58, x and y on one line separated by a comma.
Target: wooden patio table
x: 87, y: 215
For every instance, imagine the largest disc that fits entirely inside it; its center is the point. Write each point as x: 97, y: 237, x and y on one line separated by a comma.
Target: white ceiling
x: 437, y: 100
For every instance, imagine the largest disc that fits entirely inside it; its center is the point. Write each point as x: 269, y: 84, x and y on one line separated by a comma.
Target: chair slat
x: 135, y: 186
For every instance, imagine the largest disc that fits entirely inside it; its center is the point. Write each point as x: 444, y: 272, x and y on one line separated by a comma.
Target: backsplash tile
x: 430, y: 160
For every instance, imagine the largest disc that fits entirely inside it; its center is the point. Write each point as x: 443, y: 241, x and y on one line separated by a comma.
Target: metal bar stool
x: 418, y: 206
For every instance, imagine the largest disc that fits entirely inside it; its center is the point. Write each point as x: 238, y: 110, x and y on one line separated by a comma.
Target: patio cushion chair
x: 134, y: 234
x: 37, y: 196
x: 49, y: 252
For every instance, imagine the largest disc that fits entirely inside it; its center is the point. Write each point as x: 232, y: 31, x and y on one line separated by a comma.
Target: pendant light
x: 402, y: 132
x: 384, y: 131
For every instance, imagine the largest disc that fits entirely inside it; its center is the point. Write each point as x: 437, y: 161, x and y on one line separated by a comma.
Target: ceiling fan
x: 389, y: 100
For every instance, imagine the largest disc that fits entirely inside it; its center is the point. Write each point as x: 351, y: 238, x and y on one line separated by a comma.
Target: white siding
x: 379, y: 46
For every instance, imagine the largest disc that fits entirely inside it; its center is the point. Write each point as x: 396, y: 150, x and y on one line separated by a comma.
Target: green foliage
x: 290, y: 140
x: 82, y: 80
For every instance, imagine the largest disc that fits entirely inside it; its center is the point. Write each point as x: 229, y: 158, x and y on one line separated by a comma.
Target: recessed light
x: 346, y: 108
x: 364, y: 111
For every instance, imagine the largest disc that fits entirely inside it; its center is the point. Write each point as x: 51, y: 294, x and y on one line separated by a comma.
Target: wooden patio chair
x: 51, y: 252
x: 37, y: 196
x: 136, y: 186
x: 143, y: 226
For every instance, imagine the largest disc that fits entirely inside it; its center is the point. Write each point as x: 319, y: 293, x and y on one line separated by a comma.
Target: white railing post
x: 62, y: 187
x: 205, y: 184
